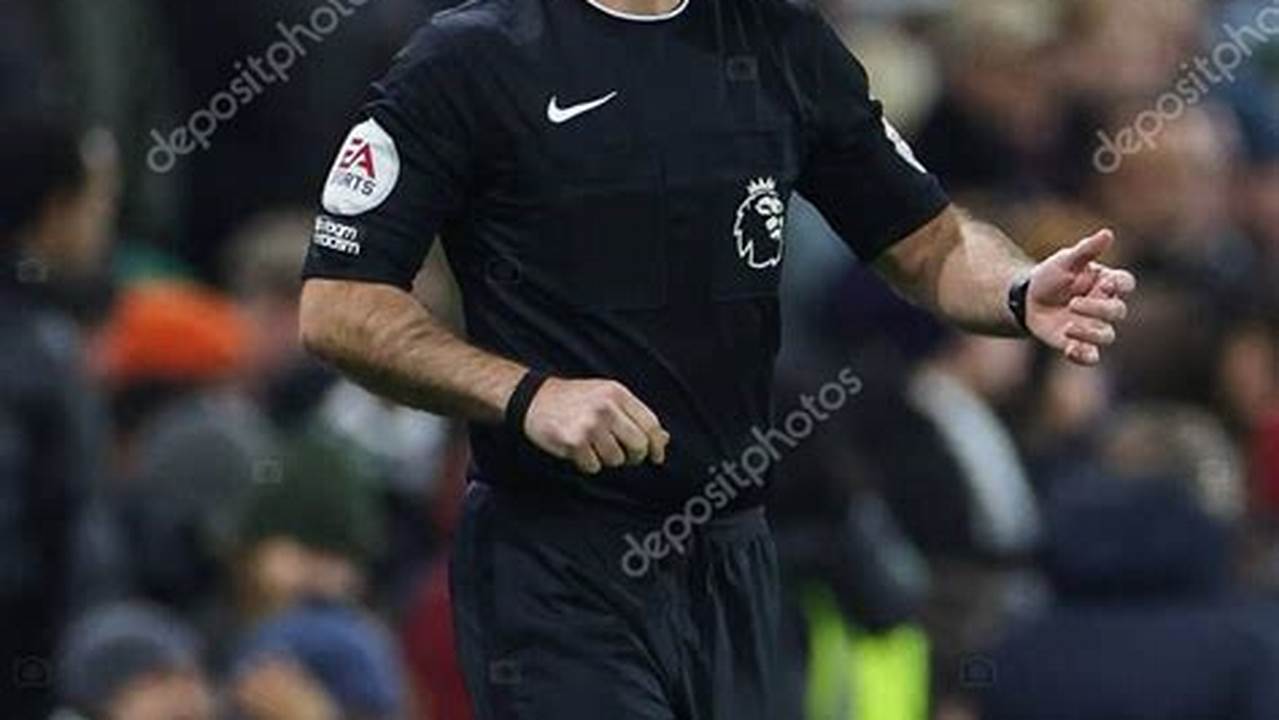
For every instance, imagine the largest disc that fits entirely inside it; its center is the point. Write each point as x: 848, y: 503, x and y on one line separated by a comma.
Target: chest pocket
x: 727, y: 195
x: 600, y: 240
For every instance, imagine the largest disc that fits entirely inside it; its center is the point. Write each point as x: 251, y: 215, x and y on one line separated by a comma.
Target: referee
x: 609, y: 179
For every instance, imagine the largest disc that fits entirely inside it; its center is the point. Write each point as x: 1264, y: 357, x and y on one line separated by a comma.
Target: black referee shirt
x: 611, y: 193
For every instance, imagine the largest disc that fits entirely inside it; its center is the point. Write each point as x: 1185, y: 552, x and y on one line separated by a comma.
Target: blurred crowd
x: 197, y: 521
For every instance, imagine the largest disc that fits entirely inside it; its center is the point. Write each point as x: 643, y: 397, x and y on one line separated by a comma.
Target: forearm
x: 973, y: 283
x: 961, y: 269
x: 382, y: 338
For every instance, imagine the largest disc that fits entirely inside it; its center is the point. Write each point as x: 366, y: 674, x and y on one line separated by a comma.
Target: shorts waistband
x: 720, y: 525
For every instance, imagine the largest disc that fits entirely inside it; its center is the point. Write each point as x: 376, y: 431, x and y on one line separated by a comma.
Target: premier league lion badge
x: 761, y: 224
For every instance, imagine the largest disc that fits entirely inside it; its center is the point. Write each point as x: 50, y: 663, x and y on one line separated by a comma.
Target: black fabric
x: 550, y: 625
x: 634, y: 241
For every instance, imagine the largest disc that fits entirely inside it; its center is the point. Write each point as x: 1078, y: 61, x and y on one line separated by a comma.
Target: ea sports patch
x: 364, y: 173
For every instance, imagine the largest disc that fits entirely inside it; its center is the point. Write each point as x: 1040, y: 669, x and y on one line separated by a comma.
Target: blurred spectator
x: 955, y: 478
x: 399, y: 449
x: 133, y: 661
x: 31, y: 74
x: 319, y: 660
x: 429, y: 643
x: 261, y: 266
x: 1171, y: 352
x: 306, y: 534
x: 435, y: 672
x: 1063, y: 417
x: 926, y: 435
x: 1264, y: 450
x: 52, y: 234
x: 188, y: 443
x: 1121, y: 50
x: 956, y: 394
x: 853, y: 584
x: 1247, y: 373
x: 307, y: 529
x: 275, y: 149
x: 1145, y: 625
x: 906, y: 71
x: 261, y: 262
x: 1001, y: 126
x: 137, y: 345
x: 1171, y: 202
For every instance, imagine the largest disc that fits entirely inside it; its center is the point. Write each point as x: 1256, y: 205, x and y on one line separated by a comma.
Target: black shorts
x: 551, y: 625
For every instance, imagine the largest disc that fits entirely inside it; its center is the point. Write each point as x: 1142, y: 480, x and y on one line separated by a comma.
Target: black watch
x: 1017, y: 301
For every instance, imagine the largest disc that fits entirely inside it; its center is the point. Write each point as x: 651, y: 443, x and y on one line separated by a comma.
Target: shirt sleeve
x: 859, y: 172
x: 401, y: 174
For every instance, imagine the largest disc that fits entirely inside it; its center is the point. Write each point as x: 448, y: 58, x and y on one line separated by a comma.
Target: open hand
x: 1074, y: 302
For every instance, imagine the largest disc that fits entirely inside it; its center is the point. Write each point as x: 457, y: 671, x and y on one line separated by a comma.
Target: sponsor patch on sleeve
x: 336, y: 236
x: 365, y: 172
x: 903, y: 148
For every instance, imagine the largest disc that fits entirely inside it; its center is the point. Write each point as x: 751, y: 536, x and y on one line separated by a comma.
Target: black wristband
x: 517, y: 407
x: 1017, y: 302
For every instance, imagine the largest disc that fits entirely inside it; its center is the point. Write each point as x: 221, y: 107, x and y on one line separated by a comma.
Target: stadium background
x: 983, y: 532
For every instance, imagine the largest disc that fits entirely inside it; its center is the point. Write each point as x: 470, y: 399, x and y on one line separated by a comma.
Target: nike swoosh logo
x: 559, y: 115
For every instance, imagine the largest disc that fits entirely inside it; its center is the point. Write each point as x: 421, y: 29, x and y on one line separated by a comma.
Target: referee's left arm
x: 974, y: 276
x: 894, y: 215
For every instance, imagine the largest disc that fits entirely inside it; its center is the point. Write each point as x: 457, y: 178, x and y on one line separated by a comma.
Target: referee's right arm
x: 381, y: 337
x: 401, y: 173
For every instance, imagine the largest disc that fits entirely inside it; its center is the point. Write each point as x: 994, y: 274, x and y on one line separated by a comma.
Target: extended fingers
x: 1109, y: 309
x: 1098, y: 305
x: 1114, y: 283
x: 1083, y: 353
x: 1092, y: 328
x: 1086, y: 251
x: 1091, y: 332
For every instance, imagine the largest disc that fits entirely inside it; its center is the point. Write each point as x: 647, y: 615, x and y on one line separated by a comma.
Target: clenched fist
x: 594, y: 424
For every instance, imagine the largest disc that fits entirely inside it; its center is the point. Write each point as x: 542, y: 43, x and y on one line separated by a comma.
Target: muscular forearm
x: 384, y: 339
x: 972, y: 286
x: 961, y: 269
